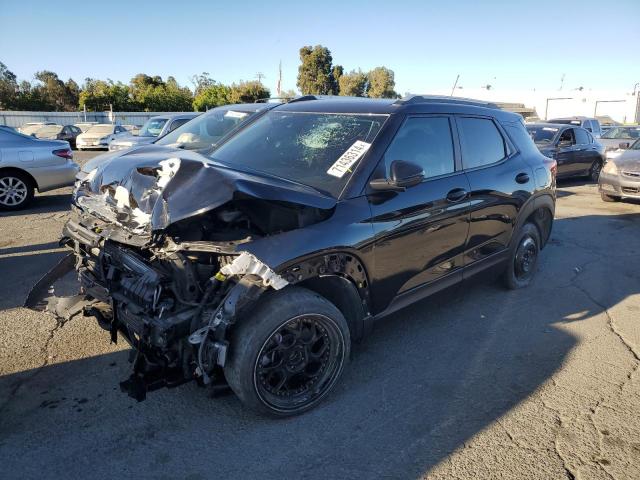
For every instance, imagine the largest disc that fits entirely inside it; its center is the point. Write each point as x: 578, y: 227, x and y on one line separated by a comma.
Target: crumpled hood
x: 149, y: 188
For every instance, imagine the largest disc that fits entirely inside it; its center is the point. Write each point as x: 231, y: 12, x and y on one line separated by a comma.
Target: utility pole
x: 546, y: 108
x: 279, y: 88
x: 561, y: 82
x: 260, y: 76
x: 636, y: 92
x: 455, y: 85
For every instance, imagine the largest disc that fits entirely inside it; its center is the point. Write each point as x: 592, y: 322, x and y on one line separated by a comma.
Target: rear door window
x: 178, y: 123
x: 481, y: 141
x: 582, y: 136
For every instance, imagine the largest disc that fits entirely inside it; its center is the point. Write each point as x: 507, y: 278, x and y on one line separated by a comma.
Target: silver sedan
x: 27, y: 164
x: 620, y: 176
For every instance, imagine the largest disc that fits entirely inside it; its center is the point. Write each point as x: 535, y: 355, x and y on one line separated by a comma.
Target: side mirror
x: 402, y: 176
x: 564, y: 144
x: 623, y: 145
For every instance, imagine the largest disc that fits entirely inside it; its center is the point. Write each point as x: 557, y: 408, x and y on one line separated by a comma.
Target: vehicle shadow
x: 58, y: 202
x: 427, y: 380
x: 25, y: 270
x: 574, y: 181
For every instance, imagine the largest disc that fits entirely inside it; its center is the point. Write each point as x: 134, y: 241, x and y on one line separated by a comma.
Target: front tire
x: 16, y: 190
x: 594, y: 171
x: 523, y: 257
x: 288, y: 353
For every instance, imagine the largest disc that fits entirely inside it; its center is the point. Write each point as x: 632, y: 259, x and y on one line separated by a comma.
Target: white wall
x: 581, y: 103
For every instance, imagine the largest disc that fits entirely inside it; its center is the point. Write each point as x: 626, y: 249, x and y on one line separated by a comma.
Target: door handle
x: 457, y: 194
x: 522, y: 178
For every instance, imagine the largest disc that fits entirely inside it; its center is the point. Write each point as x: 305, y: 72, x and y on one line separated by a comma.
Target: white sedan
x: 98, y: 136
x: 27, y: 164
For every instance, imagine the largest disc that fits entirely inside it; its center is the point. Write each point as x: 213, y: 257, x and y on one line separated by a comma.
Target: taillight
x: 552, y: 164
x: 64, y: 153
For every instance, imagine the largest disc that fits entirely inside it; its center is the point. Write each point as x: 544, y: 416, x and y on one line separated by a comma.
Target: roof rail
x: 413, y: 99
x: 303, y: 98
x: 266, y: 99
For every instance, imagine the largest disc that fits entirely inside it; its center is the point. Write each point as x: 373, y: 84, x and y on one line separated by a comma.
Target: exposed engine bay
x: 162, y: 254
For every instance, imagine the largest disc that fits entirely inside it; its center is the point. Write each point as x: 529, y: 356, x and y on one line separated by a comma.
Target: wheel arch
x: 341, y: 278
x: 34, y: 183
x: 540, y: 211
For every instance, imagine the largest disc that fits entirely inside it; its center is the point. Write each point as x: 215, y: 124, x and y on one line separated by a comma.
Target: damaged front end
x: 162, y: 253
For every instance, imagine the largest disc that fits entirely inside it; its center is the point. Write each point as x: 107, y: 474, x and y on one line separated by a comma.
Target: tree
x: 8, y: 88
x: 315, y: 72
x: 152, y: 94
x: 177, y: 98
x: 201, y: 82
x: 353, y: 84
x: 381, y: 83
x: 73, y: 92
x: 336, y: 72
x: 288, y: 93
x: 29, y: 98
x: 214, y: 95
x: 54, y: 92
x: 248, y: 92
x: 98, y: 95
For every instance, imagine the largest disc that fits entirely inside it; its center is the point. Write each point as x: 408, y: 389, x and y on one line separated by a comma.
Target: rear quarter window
x: 521, y: 138
x: 481, y: 141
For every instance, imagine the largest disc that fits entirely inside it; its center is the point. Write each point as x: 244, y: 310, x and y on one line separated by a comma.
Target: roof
x: 575, y: 117
x: 386, y: 106
x: 559, y: 126
x: 245, y: 107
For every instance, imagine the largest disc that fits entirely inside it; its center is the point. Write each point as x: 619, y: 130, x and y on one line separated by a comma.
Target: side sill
x: 423, y: 291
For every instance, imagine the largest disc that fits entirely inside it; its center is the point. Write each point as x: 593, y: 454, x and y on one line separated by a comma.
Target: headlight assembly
x: 610, y: 168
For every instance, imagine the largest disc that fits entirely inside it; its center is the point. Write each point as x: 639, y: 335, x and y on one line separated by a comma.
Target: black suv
x: 258, y: 266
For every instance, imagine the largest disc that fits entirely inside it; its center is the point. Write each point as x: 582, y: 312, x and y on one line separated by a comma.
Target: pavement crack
x: 60, y: 322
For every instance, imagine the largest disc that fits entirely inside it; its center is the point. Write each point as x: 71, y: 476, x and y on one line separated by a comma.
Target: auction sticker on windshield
x: 348, y: 158
x: 232, y: 114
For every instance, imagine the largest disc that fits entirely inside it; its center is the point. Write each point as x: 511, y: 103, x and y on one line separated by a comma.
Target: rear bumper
x: 55, y: 176
x: 619, y: 185
x: 84, y: 146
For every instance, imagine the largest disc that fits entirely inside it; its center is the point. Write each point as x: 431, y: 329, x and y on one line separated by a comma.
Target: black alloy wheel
x: 288, y: 352
x: 299, y: 362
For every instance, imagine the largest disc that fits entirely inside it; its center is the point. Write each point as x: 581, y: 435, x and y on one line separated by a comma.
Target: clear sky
x: 508, y: 44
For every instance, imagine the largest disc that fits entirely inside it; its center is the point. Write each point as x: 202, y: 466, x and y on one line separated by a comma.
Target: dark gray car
x: 591, y: 125
x: 154, y: 128
x: 575, y: 149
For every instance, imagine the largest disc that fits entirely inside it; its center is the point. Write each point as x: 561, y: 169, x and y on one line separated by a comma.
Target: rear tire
x: 16, y: 190
x: 523, y: 257
x: 288, y: 353
x: 608, y: 198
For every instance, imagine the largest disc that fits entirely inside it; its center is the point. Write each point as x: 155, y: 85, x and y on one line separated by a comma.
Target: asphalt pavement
x: 478, y: 382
